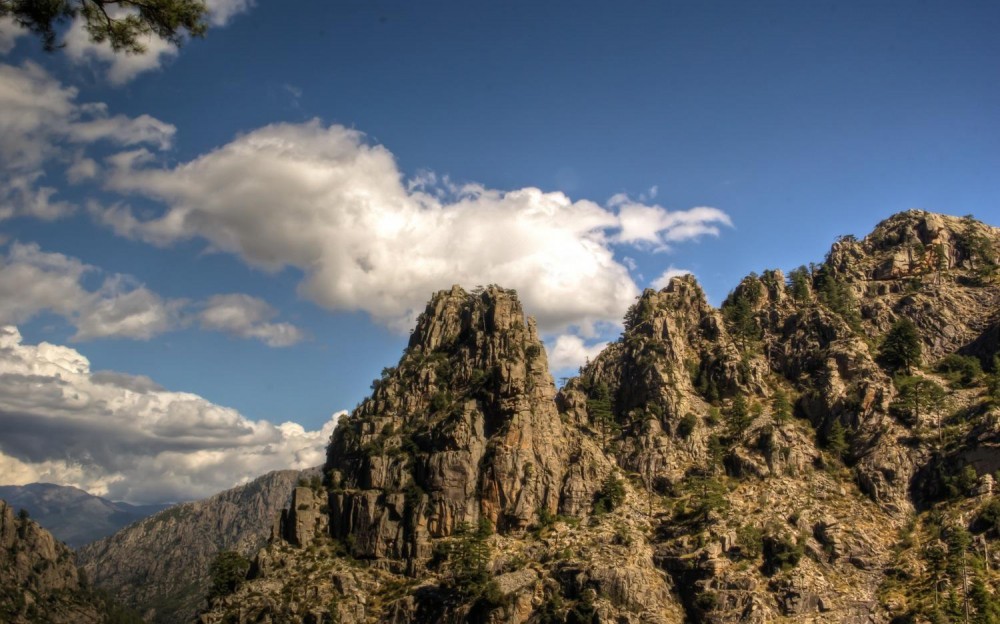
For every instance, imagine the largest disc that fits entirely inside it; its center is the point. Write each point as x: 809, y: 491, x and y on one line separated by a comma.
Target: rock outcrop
x: 755, y: 463
x: 39, y: 582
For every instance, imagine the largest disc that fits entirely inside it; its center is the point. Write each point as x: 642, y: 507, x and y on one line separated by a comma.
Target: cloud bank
x: 323, y: 200
x: 124, y: 437
x: 33, y: 281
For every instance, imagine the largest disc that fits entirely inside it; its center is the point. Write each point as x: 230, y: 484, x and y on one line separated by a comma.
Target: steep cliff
x: 818, y: 449
x: 39, y: 581
x: 160, y: 565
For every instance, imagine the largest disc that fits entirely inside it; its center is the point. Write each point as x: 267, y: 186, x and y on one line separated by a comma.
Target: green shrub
x: 227, y: 572
x: 964, y: 370
x: 751, y: 541
x: 988, y: 518
x: 780, y: 553
x: 610, y: 496
x: 687, y: 425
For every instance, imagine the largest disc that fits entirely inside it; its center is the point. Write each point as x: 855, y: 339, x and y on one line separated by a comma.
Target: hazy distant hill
x: 72, y: 515
x: 160, y: 566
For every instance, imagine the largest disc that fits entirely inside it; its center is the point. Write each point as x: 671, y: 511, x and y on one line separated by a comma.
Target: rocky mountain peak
x: 463, y: 428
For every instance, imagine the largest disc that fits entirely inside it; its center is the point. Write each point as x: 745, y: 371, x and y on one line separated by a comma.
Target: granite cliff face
x: 764, y: 461
x: 39, y: 582
x: 159, y: 566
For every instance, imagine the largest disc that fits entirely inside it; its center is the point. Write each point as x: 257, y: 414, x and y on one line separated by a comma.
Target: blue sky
x: 310, y: 172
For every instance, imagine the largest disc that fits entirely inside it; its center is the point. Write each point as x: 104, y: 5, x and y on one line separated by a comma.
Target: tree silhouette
x: 122, y: 23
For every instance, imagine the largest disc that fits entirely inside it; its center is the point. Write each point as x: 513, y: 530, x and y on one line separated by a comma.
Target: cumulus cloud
x: 323, y: 200
x: 125, y: 437
x: 652, y: 225
x: 42, y: 123
x: 121, y: 68
x: 247, y: 317
x: 570, y: 352
x: 661, y: 282
x: 34, y: 281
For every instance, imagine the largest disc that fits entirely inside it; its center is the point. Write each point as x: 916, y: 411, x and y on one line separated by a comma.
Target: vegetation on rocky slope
x: 819, y: 449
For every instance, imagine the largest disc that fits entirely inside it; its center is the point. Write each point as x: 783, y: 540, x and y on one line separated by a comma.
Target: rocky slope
x: 72, y: 515
x: 39, y: 581
x: 761, y: 462
x: 160, y: 565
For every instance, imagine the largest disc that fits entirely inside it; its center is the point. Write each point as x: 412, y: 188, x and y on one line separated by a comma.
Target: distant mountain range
x: 72, y: 515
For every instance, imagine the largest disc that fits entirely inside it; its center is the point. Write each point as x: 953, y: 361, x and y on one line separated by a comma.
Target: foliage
x: 900, y: 348
x: 781, y: 406
x: 799, y: 284
x: 227, y: 572
x: 601, y: 410
x: 687, y: 425
x: 738, y: 311
x: 978, y: 248
x: 916, y: 397
x: 834, y: 292
x: 121, y: 23
x: 469, y: 557
x: 751, y: 541
x: 986, y: 605
x: 988, y: 518
x: 706, y: 496
x: 835, y: 439
x: 781, y: 553
x: 610, y: 496
x: 740, y: 416
x: 964, y: 370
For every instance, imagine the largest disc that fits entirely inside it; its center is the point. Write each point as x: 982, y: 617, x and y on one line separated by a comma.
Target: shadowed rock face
x: 39, y: 581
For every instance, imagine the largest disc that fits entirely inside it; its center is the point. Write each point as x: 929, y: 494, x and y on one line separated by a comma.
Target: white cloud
x: 9, y: 32
x: 33, y: 281
x: 222, y: 11
x: 126, y: 438
x: 569, y: 351
x: 247, y: 317
x: 42, y: 123
x: 658, y: 227
x: 323, y: 200
x: 120, y: 310
x: 661, y: 282
x: 121, y: 68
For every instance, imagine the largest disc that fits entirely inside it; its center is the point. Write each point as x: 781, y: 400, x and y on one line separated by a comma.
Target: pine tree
x: 121, y: 23
x: 901, y: 346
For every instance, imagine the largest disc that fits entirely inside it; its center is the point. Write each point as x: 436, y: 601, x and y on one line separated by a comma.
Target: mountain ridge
x: 72, y: 515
